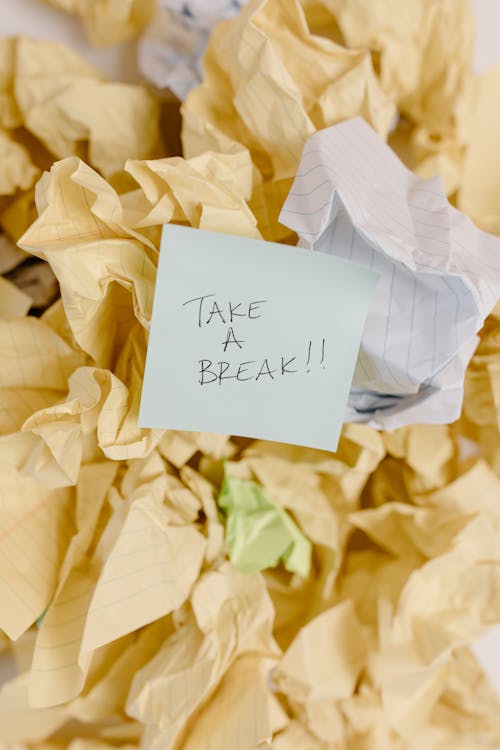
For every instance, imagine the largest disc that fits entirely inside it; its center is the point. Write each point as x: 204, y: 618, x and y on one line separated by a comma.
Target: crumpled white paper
x: 439, y: 274
x: 170, y: 53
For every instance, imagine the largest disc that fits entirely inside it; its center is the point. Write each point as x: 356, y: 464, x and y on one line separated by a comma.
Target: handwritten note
x: 217, y: 372
x: 252, y: 338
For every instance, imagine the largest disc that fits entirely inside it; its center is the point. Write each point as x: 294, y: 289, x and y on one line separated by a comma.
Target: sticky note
x: 252, y: 338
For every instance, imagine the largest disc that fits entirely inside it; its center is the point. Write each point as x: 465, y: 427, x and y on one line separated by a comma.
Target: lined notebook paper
x: 439, y: 274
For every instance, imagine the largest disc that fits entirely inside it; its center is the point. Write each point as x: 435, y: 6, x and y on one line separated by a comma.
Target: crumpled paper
x: 64, y: 101
x: 357, y: 48
x: 171, y: 50
x: 37, y: 282
x: 439, y: 274
x: 54, y: 104
x: 226, y: 639
x: 261, y: 94
x: 120, y: 611
x: 18, y: 173
x: 478, y: 192
x: 432, y: 86
x: 258, y: 533
x: 390, y: 516
x: 111, y: 21
x: 13, y: 302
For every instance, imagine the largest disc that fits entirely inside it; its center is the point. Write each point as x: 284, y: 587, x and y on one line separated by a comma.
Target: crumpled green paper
x: 259, y: 533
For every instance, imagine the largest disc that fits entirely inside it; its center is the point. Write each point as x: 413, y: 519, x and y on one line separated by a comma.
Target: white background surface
x: 39, y: 20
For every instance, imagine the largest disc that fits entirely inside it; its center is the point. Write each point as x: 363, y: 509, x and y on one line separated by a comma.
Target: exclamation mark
x: 323, y: 354
x: 308, y: 356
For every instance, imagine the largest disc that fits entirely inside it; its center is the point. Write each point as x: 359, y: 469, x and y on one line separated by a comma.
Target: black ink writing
x: 222, y: 311
x: 215, y: 311
x: 285, y: 366
x: 210, y: 311
x: 231, y: 339
x: 200, y: 307
x: 251, y: 308
x: 242, y: 368
x: 232, y: 312
x: 266, y: 370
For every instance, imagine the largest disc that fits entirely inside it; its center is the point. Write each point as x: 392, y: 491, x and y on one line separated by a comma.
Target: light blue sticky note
x: 252, y: 338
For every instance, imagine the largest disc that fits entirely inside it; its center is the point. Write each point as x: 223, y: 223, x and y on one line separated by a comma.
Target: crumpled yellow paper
x: 119, y: 608
x: 54, y: 104
x: 478, y: 194
x: 229, y: 623
x: 262, y: 93
x: 428, y: 90
x: 18, y: 172
x: 13, y: 302
x: 64, y: 101
x: 390, y: 517
x: 431, y: 88
x: 109, y: 21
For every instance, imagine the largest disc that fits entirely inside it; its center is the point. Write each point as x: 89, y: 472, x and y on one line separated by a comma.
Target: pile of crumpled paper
x: 125, y: 618
x: 53, y: 104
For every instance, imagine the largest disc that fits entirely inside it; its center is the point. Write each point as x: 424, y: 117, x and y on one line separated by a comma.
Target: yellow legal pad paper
x: 252, y: 338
